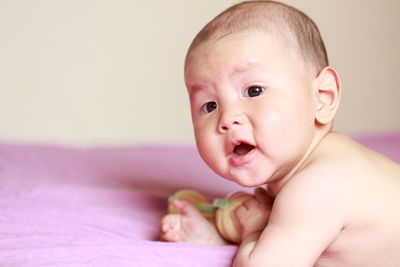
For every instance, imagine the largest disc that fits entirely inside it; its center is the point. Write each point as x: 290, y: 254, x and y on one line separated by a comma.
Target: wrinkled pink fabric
x: 102, y: 206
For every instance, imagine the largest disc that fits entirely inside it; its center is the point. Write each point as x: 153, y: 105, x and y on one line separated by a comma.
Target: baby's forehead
x: 244, y: 49
x: 240, y: 58
x: 269, y: 36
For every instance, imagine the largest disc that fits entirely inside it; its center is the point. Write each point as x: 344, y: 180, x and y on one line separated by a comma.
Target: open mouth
x: 242, y: 149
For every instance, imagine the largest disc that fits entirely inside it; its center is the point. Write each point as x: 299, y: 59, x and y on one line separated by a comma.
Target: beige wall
x: 110, y: 72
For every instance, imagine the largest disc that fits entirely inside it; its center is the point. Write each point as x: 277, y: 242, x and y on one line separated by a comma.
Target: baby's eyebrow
x: 193, y: 89
x: 244, y: 68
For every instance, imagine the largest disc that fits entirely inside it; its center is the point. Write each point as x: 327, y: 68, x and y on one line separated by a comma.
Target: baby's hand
x: 253, y: 214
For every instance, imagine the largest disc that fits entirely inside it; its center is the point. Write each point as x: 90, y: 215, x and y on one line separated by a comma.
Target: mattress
x: 101, y: 206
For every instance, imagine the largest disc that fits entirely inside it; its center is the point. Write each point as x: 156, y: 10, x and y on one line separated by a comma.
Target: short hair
x: 271, y: 17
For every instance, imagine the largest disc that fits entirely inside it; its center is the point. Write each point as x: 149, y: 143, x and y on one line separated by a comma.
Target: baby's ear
x: 329, y: 90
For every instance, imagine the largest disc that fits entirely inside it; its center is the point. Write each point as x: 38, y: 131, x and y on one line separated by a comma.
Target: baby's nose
x: 230, y: 119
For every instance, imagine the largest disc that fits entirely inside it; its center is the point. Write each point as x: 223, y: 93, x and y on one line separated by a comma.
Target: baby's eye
x: 253, y: 91
x: 209, y: 107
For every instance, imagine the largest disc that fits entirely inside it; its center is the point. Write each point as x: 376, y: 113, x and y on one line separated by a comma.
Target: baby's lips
x: 240, y: 147
x: 237, y: 160
x: 232, y: 146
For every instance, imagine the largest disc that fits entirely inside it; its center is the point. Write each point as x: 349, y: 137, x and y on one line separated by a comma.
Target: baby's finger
x: 251, y: 202
x: 262, y: 196
x: 186, y: 207
x: 169, y: 236
x: 168, y: 230
x: 165, y: 227
x: 240, y: 211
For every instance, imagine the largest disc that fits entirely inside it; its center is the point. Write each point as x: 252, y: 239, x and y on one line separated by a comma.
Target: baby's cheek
x: 273, y: 122
x: 207, y: 145
x: 273, y: 117
x: 277, y: 129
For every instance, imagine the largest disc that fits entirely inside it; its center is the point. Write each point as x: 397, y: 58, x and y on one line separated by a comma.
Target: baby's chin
x: 247, y: 181
x: 250, y: 184
x: 241, y: 176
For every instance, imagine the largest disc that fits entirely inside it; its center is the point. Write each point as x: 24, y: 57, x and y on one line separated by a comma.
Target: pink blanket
x: 102, y: 206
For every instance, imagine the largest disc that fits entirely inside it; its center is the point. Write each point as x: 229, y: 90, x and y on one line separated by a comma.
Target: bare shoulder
x: 323, y: 174
x: 368, y: 190
x: 307, y: 215
x: 338, y: 175
x: 344, y: 196
x: 348, y: 183
x: 339, y: 156
x: 314, y: 191
x: 315, y: 195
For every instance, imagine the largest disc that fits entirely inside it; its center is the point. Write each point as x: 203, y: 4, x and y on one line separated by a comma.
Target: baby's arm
x: 305, y: 219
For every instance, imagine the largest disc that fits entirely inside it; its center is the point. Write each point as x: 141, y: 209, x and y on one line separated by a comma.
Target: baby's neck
x: 303, y: 162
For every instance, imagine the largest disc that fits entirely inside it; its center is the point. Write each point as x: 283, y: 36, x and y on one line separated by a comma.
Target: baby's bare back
x: 370, y: 186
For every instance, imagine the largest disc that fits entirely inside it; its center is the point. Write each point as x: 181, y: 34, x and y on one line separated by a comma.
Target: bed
x: 101, y: 206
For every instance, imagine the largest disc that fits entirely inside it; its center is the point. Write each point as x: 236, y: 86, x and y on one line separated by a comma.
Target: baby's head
x: 285, y: 23
x: 260, y: 90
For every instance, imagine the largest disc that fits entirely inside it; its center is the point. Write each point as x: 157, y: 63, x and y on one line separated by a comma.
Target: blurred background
x: 89, y: 72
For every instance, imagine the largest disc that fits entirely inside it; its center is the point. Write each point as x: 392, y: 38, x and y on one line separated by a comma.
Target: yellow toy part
x: 197, y: 199
x: 225, y: 219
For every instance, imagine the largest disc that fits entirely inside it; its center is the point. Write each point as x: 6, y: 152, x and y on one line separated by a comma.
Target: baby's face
x: 253, y: 107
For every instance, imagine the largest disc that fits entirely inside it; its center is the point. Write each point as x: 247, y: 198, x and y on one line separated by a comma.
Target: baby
x: 263, y: 99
